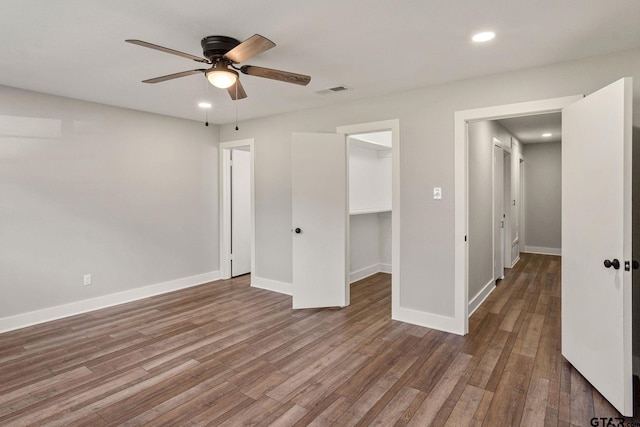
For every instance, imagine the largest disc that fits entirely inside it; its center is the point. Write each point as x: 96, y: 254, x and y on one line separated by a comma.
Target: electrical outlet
x: 87, y: 279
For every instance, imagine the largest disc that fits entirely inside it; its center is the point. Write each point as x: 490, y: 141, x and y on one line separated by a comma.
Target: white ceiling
x: 76, y: 48
x: 529, y: 129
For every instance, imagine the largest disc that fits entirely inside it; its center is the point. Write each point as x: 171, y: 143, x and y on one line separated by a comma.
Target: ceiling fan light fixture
x: 221, y: 76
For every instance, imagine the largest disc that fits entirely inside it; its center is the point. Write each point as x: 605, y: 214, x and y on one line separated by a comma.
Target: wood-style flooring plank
x: 225, y: 353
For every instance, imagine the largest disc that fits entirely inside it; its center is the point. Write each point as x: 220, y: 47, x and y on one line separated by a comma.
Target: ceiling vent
x: 334, y: 89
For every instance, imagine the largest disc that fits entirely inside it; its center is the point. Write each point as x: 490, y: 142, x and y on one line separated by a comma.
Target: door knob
x: 613, y: 263
x: 298, y: 231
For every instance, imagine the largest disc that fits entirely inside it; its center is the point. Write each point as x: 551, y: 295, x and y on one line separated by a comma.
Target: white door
x: 596, y: 226
x: 320, y: 220
x: 240, y: 212
x: 498, y: 213
x: 506, y: 210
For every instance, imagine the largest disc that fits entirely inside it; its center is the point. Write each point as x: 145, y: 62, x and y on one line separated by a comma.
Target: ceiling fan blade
x: 283, y: 76
x: 237, y: 91
x: 167, y: 50
x: 173, y: 76
x: 249, y: 48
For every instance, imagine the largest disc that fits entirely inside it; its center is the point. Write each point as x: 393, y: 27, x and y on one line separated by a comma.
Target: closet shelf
x: 369, y: 211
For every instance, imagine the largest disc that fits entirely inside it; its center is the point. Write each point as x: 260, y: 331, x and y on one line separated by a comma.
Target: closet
x: 369, y: 204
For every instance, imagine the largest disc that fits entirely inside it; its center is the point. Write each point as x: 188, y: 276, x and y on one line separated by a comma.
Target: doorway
x: 320, y: 216
x: 237, y: 224
x: 596, y: 136
x: 462, y: 183
x: 369, y: 163
x: 391, y: 130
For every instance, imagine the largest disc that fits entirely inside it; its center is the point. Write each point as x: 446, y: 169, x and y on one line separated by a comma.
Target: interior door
x: 498, y: 213
x: 320, y: 220
x: 596, y: 226
x: 240, y: 212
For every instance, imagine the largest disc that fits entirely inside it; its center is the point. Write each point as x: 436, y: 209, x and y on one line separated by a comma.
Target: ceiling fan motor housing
x: 214, y: 47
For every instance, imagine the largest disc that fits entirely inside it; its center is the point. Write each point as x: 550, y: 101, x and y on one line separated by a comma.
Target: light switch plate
x: 437, y: 193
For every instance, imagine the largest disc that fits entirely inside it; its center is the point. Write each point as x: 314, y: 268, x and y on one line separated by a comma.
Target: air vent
x: 334, y: 89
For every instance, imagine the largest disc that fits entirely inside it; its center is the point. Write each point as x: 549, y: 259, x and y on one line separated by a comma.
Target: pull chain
x: 235, y: 101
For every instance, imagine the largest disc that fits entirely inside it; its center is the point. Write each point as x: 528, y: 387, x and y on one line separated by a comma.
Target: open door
x: 320, y: 219
x: 498, y: 213
x: 240, y: 212
x: 596, y: 241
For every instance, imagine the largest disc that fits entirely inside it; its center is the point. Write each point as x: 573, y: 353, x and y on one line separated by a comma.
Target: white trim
x: 394, y: 126
x: 542, y: 251
x: 363, y: 273
x: 224, y: 150
x: 461, y: 118
x: 272, y: 285
x: 428, y: 320
x: 482, y: 295
x: 515, y: 261
x: 78, y: 307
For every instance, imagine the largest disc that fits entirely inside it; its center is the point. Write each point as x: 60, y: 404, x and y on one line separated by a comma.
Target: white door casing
x: 596, y: 225
x: 460, y: 322
x: 320, y: 215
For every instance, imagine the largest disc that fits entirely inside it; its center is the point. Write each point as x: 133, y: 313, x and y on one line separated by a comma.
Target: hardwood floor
x: 228, y: 354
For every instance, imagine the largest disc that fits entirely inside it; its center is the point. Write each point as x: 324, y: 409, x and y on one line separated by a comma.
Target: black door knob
x: 298, y: 231
x: 613, y: 263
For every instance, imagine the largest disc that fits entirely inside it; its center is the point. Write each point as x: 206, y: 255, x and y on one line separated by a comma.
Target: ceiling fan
x: 223, y: 53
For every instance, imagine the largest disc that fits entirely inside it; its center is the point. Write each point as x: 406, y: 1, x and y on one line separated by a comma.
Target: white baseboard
x: 363, y: 273
x: 272, y: 285
x: 481, y: 296
x: 515, y: 261
x: 543, y: 251
x: 78, y: 307
x: 385, y: 268
x: 427, y: 320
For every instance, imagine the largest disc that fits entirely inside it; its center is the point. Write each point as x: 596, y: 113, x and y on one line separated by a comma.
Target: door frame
x: 461, y: 119
x: 392, y: 125
x: 224, y: 156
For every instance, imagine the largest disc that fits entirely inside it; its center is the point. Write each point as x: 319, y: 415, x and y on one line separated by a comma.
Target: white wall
x: 480, y: 148
x: 543, y: 197
x: 426, y: 119
x: 369, y: 179
x: 129, y: 197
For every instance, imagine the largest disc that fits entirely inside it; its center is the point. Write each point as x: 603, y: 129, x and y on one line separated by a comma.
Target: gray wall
x: 543, y: 196
x: 364, y: 245
x: 480, y: 193
x: 129, y: 197
x: 426, y: 160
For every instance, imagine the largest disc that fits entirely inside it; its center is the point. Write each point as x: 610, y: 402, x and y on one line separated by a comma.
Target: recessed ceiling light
x: 484, y: 36
x: 204, y: 105
x: 546, y: 135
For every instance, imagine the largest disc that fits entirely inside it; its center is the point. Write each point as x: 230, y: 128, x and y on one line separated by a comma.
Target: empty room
x: 275, y: 213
